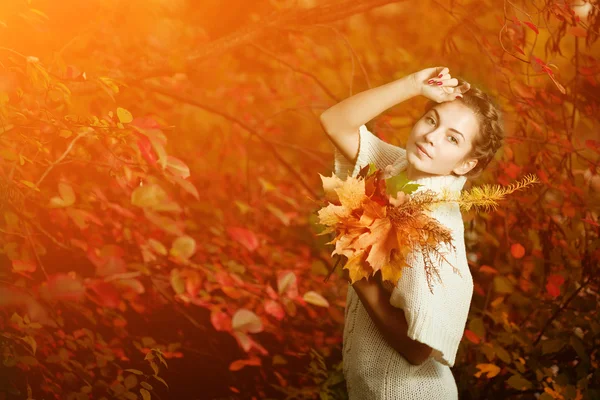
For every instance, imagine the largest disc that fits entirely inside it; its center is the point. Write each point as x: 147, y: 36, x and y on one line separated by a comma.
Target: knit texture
x: 372, y: 368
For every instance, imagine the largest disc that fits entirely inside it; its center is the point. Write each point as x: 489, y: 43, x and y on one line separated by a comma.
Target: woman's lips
x: 420, y: 149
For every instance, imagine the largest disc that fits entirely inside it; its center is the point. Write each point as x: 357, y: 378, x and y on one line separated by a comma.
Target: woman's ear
x: 465, y: 166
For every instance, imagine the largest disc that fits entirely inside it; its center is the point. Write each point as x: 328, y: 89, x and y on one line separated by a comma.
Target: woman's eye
x: 453, y: 138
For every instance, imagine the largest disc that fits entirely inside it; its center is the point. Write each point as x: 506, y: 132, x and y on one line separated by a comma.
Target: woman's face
x: 445, y: 133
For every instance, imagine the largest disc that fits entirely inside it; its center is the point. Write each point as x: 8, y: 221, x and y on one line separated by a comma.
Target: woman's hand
x: 448, y: 90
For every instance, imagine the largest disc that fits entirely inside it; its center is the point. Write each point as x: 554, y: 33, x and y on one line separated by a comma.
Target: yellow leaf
x: 31, y: 342
x: 29, y: 185
x: 124, y: 116
x: 352, y: 193
x: 490, y: 369
x: 246, y: 321
x: 183, y: 246
x: 332, y: 214
x: 67, y: 196
x: 285, y: 281
x: 157, y: 246
x: 153, y: 197
x: 177, y: 167
x: 357, y: 268
x: 330, y: 183
x: 145, y: 394
x: 315, y: 298
x: 177, y: 281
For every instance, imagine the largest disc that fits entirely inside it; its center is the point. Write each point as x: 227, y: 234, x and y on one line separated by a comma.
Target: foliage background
x: 159, y: 166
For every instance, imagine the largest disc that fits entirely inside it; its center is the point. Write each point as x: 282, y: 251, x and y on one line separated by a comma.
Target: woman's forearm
x: 390, y: 321
x: 351, y: 113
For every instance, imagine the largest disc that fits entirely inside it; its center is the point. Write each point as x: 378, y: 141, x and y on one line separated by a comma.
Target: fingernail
x: 459, y: 97
x: 430, y: 81
x: 439, y: 83
x: 440, y: 75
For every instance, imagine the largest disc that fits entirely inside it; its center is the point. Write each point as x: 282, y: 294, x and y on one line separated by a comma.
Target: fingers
x: 449, y: 82
x: 444, y: 70
x: 463, y: 88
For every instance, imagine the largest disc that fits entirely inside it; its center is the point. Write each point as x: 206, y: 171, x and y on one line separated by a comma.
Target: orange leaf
x: 491, y: 370
x: 23, y: 266
x: 239, y: 364
x: 486, y: 269
x: 577, y: 31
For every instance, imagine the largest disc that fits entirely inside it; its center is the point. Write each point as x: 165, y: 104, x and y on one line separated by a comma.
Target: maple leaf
x: 352, y: 193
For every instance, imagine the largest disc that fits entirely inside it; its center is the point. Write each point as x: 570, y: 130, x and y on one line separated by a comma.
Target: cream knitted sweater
x: 372, y: 368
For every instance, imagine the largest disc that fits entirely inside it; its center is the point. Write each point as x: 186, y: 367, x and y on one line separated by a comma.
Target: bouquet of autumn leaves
x: 378, y: 222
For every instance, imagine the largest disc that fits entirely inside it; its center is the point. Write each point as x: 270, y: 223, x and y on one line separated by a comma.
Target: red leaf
x: 520, y: 50
x: 62, y: 287
x: 221, y: 321
x: 245, y: 237
x: 512, y: 170
x: 472, y: 336
x: 275, y: 309
x: 517, y: 250
x: 532, y: 26
x: 590, y: 221
x: 146, y: 149
x: 554, y: 283
x: 145, y: 122
x: 107, y: 294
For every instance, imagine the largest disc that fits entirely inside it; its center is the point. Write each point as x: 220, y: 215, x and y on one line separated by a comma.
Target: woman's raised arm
x: 345, y: 117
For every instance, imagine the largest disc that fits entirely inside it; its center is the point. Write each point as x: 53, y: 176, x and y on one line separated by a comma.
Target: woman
x: 401, y: 346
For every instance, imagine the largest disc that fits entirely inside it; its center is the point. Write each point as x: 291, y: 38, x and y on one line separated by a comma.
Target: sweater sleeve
x: 371, y: 150
x: 437, y: 319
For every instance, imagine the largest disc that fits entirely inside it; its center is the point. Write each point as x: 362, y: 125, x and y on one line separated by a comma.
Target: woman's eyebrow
x: 437, y: 115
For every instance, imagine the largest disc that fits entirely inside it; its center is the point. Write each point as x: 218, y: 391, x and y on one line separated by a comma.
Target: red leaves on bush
x: 553, y: 285
x: 244, y: 237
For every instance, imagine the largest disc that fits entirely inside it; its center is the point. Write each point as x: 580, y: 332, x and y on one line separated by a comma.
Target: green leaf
x: 400, y: 183
x: 158, y: 378
x: 476, y: 325
x: 130, y: 381
x: 502, y: 284
x: 518, y: 382
x: 502, y: 354
x: 577, y: 344
x: 135, y: 371
x: 552, y: 346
